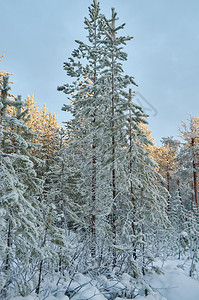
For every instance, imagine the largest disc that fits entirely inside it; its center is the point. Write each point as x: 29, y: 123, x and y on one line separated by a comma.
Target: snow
x: 89, y: 292
x: 34, y: 297
x: 173, y: 284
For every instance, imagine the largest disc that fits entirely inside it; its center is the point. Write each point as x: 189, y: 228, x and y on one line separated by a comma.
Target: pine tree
x: 97, y: 180
x: 85, y: 129
x: 190, y: 133
x: 4, y: 73
x: 165, y: 156
x: 31, y: 239
x: 43, y: 126
x: 20, y: 188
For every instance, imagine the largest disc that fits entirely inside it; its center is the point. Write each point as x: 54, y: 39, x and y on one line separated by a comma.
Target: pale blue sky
x: 37, y: 36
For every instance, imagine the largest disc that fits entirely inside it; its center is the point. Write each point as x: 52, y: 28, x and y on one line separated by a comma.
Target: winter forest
x: 94, y: 209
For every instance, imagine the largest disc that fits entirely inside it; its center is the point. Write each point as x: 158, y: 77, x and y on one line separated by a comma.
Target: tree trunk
x: 39, y: 280
x: 195, y: 176
x: 130, y: 171
x: 41, y: 266
x: 93, y: 217
x: 168, y: 189
x: 9, y: 243
x: 179, y: 192
x: 113, y: 147
x: 3, y: 291
x: 192, y: 196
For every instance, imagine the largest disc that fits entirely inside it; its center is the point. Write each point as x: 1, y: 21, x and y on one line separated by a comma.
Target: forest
x: 87, y: 209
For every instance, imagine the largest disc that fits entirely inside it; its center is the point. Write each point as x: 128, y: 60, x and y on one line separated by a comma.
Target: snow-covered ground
x: 173, y: 284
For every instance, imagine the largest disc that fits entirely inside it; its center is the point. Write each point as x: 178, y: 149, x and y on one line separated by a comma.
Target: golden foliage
x: 190, y: 130
x: 40, y: 121
x: 165, y: 158
x: 149, y: 148
x: 45, y: 124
